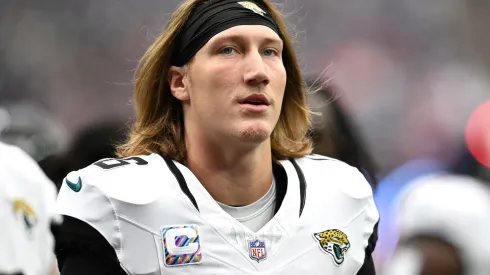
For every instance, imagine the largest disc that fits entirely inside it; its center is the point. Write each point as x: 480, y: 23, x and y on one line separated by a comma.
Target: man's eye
x: 227, y: 50
x: 270, y: 52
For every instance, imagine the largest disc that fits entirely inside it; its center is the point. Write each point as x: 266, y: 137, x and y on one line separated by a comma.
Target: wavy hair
x: 159, y: 126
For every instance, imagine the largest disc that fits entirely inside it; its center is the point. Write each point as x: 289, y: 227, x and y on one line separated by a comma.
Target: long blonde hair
x: 159, y: 126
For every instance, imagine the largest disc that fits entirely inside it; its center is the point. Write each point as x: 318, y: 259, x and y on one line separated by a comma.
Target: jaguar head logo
x: 252, y: 6
x: 26, y: 213
x: 333, y: 242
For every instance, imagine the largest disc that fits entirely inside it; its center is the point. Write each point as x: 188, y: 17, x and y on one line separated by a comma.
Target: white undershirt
x: 255, y: 215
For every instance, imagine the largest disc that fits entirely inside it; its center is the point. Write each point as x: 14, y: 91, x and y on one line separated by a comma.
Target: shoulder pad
x: 336, y: 174
x: 22, y: 177
x: 20, y: 164
x: 90, y: 194
x: 348, y: 191
x: 134, y: 180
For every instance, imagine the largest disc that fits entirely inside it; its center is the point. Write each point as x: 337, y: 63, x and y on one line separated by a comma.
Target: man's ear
x: 176, y: 80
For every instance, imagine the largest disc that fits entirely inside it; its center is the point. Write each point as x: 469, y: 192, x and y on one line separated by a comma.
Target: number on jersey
x: 108, y: 164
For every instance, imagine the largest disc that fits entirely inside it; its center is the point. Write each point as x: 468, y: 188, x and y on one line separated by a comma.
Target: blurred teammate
x: 444, y: 227
x: 216, y: 177
x: 27, y: 214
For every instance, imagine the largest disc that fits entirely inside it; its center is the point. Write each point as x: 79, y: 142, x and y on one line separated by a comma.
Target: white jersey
x: 453, y: 208
x: 159, y: 219
x: 27, y: 210
x: 255, y: 215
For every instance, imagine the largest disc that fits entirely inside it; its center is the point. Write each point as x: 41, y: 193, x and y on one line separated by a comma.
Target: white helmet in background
x: 451, y: 208
x: 31, y: 128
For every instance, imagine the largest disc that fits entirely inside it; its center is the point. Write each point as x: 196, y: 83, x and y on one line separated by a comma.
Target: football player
x: 27, y: 215
x: 216, y: 176
x: 444, y: 225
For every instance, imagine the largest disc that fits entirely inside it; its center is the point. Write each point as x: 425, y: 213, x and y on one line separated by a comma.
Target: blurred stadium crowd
x: 404, y: 78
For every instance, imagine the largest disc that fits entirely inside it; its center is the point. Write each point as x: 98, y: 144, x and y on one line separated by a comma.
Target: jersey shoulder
x: 332, y: 174
x: 336, y: 188
x: 22, y: 177
x: 16, y: 165
x: 131, y: 179
x: 95, y: 194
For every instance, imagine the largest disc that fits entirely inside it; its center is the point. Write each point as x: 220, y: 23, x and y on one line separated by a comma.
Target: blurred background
x: 409, y: 74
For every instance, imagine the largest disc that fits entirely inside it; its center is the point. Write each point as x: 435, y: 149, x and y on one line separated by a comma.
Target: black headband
x: 214, y: 17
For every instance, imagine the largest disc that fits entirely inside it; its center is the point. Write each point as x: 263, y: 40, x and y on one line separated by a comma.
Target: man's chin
x: 254, y: 134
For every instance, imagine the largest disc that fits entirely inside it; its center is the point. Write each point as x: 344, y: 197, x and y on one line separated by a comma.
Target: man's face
x: 235, y: 84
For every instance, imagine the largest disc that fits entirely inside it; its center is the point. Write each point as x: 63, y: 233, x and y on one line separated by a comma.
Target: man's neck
x: 233, y: 177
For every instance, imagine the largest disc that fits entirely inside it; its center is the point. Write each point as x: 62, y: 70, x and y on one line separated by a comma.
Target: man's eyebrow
x: 239, y: 38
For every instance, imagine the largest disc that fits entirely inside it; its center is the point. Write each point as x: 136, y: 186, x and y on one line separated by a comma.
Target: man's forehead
x: 245, y: 32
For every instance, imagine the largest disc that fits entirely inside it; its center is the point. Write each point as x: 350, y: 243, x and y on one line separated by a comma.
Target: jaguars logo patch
x: 253, y: 7
x: 333, y: 242
x: 22, y: 209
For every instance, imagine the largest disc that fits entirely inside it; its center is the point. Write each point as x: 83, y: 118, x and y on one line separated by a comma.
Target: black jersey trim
x: 368, y: 267
x: 302, y: 186
x: 281, y: 178
x: 181, y: 180
x: 82, y: 249
x: 320, y: 157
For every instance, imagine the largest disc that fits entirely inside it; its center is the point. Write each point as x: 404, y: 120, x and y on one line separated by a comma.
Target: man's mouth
x: 257, y: 99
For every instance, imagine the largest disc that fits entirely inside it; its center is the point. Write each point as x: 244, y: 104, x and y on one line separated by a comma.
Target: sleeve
x: 83, y: 250
x: 366, y: 222
x: 369, y: 223
x: 89, y: 239
x: 368, y: 266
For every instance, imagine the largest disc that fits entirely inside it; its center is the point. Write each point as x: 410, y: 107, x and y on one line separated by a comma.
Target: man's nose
x: 256, y: 74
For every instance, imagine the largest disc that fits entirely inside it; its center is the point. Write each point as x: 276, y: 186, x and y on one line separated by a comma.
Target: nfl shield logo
x: 257, y: 250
